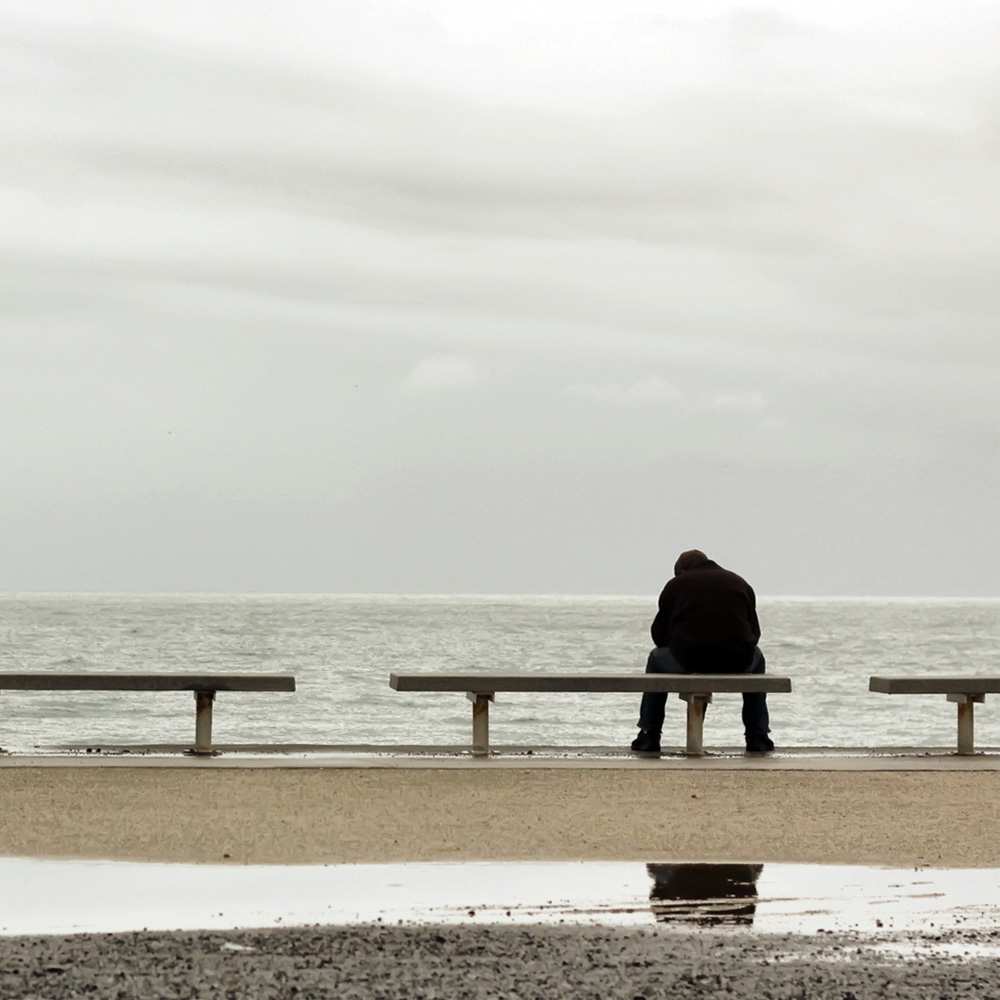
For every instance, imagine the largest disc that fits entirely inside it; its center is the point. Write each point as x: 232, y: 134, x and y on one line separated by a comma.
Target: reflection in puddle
x: 706, y: 895
x: 55, y: 897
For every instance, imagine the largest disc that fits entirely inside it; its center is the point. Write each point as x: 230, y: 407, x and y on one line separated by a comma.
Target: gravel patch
x: 428, y: 962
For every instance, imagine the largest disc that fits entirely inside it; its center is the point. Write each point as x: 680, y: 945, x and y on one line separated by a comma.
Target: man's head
x: 689, y: 560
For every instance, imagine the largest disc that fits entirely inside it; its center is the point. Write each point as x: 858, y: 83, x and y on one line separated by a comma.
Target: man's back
x: 707, y: 612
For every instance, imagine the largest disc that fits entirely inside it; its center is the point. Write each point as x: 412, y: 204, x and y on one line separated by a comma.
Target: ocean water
x: 342, y: 648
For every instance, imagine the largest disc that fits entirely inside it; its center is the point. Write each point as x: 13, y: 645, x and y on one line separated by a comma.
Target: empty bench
x: 695, y: 689
x: 964, y: 691
x: 204, y: 687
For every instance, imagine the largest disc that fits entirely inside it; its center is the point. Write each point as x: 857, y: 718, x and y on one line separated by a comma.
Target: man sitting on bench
x: 706, y: 624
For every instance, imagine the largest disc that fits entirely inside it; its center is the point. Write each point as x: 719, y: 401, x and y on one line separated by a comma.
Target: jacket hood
x: 691, y: 559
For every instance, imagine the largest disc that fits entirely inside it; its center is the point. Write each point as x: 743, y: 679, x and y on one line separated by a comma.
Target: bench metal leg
x: 480, y: 723
x: 696, y: 705
x: 966, y: 721
x: 203, y: 722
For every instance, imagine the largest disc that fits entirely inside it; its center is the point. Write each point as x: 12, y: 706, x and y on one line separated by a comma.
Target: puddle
x: 46, y: 897
x: 961, y: 950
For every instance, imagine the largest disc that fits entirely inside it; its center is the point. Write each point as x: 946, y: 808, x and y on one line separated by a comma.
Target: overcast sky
x: 451, y: 296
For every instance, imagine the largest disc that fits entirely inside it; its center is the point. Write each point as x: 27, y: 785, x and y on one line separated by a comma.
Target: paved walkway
x: 300, y: 813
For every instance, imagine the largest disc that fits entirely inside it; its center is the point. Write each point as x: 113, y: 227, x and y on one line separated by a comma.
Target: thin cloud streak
x: 442, y: 374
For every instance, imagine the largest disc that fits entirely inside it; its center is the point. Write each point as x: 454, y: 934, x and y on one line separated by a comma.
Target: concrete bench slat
x: 122, y: 681
x: 594, y: 683
x: 935, y: 685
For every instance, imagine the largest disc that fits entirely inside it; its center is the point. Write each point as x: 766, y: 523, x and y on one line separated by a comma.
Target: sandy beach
x: 327, y: 815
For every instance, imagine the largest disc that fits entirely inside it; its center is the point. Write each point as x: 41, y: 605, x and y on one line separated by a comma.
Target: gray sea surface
x: 341, y: 649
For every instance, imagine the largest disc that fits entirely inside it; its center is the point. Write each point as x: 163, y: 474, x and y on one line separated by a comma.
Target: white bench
x: 204, y: 687
x: 695, y: 689
x: 964, y: 691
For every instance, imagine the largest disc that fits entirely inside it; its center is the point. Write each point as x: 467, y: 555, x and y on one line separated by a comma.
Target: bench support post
x: 203, y: 722
x: 480, y: 722
x: 696, y: 705
x: 966, y: 721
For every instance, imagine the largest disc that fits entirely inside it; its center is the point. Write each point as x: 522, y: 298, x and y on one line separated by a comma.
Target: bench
x: 695, y: 689
x: 204, y: 687
x: 964, y: 691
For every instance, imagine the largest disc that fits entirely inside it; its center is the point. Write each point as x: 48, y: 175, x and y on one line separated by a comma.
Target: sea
x: 341, y: 649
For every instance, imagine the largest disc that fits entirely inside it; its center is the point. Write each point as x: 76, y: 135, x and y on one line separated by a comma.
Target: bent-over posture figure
x: 706, y: 624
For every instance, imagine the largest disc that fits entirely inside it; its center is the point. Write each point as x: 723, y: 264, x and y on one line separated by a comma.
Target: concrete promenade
x: 900, y: 809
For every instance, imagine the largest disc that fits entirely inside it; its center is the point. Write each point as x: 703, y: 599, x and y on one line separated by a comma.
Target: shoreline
x: 292, y: 758
x: 325, y: 815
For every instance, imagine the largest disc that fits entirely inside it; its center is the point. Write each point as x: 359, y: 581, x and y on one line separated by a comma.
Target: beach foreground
x: 429, y: 962
x: 328, y: 815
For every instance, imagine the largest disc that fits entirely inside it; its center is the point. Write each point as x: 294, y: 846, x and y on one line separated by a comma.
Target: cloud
x: 739, y: 402
x: 710, y: 198
x: 442, y: 374
x: 650, y: 391
x: 654, y: 390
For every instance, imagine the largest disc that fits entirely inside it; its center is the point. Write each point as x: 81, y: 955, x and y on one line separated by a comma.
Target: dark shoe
x: 646, y: 744
x: 760, y: 744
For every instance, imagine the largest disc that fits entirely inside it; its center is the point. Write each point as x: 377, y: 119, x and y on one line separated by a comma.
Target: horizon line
x: 594, y: 595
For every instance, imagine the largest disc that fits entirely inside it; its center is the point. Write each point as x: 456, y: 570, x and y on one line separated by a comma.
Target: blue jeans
x: 756, y: 722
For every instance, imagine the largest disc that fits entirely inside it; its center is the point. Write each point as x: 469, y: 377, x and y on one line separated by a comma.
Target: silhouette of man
x: 706, y: 624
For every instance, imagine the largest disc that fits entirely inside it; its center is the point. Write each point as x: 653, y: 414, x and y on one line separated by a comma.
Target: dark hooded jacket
x: 708, y: 617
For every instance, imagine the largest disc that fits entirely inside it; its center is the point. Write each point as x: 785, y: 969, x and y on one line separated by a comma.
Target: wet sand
x: 432, y: 962
x: 327, y: 815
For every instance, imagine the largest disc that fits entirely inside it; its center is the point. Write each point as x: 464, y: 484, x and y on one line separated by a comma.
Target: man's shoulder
x: 720, y: 573
x: 695, y: 580
x: 736, y: 579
